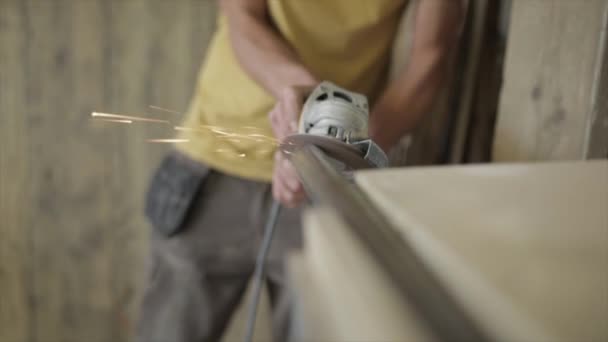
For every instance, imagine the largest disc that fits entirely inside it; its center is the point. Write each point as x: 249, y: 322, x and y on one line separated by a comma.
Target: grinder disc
x: 351, y: 156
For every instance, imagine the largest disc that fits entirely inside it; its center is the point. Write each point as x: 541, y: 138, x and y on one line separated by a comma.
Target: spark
x: 165, y: 110
x: 126, y: 117
x: 219, y: 131
x: 180, y: 128
x: 115, y: 120
x: 168, y: 140
x: 215, y: 129
x: 224, y: 133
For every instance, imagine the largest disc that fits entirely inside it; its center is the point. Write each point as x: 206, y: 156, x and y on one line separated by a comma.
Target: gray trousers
x: 207, y: 230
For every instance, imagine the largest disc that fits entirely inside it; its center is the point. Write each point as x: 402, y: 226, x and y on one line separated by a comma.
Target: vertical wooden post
x: 553, y: 104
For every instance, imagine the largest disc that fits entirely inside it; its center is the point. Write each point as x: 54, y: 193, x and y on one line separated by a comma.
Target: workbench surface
x: 524, y: 246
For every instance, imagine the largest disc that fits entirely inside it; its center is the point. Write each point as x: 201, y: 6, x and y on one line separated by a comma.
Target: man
x: 208, y: 200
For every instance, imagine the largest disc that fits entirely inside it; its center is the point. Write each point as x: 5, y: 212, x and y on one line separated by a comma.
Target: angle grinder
x: 336, y: 121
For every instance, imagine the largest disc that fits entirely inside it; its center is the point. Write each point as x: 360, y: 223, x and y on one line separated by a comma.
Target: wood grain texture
x: 527, y: 261
x: 15, y: 264
x: 551, y: 64
x: 341, y: 293
x: 73, y: 239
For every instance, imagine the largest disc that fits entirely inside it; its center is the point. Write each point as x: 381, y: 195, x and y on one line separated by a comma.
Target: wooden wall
x: 72, y: 237
x: 553, y: 102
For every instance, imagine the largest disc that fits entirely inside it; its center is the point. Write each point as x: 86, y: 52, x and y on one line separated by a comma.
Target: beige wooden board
x: 341, y: 293
x: 552, y: 62
x: 72, y: 238
x: 524, y: 246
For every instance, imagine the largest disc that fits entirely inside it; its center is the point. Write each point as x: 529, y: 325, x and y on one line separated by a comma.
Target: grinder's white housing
x: 335, y: 112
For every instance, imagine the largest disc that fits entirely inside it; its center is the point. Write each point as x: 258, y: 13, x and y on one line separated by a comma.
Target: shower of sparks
x: 168, y: 141
x: 126, y: 117
x: 115, y: 120
x: 199, y: 128
x: 224, y: 133
x: 165, y: 110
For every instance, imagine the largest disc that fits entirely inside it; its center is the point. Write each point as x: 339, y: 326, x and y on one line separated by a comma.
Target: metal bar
x: 421, y: 289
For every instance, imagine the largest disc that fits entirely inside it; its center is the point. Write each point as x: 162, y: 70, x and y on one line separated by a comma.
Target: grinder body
x: 336, y: 120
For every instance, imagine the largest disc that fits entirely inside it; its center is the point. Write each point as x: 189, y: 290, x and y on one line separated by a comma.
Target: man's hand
x: 267, y: 57
x: 286, y: 186
x: 286, y: 112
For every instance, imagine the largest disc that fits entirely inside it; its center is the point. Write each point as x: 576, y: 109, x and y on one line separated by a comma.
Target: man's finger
x: 290, y: 175
x: 286, y: 181
x: 292, y: 113
x: 282, y: 193
x: 277, y: 122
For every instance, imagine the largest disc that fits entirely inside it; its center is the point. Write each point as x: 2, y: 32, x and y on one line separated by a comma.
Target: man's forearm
x: 406, y: 100
x: 409, y: 97
x: 261, y: 51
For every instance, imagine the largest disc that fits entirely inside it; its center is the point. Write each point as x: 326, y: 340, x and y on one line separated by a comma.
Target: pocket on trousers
x: 172, y: 191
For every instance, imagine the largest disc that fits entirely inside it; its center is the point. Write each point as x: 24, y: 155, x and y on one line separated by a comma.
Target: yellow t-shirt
x: 344, y: 41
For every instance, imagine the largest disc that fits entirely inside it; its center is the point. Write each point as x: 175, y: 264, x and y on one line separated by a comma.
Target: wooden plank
x: 345, y: 295
x: 528, y: 262
x: 15, y: 261
x: 73, y: 238
x: 476, y: 32
x: 597, y: 136
x: 551, y: 63
x: 49, y: 83
x: 480, y: 131
x: 70, y: 198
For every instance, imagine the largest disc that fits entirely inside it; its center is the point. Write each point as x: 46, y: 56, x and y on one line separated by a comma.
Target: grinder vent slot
x: 322, y: 97
x: 343, y: 96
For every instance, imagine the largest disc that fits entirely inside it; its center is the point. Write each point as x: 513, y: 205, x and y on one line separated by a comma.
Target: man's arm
x: 405, y: 100
x: 262, y: 52
x: 271, y: 62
